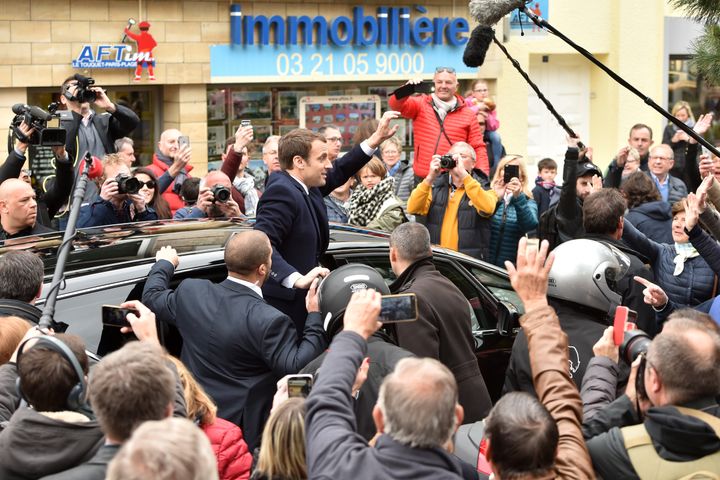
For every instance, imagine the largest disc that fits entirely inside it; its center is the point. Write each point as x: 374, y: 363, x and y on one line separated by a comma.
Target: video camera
x: 38, y: 119
x: 83, y: 91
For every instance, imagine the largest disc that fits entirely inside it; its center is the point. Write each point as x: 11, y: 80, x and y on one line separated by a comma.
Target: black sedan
x: 109, y: 265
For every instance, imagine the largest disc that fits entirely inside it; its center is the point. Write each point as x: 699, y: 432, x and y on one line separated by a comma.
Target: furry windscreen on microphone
x: 490, y: 12
x: 477, y: 46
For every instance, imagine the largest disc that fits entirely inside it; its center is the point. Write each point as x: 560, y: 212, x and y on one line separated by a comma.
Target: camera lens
x: 447, y: 162
x: 634, y: 343
x: 127, y: 184
x: 221, y: 193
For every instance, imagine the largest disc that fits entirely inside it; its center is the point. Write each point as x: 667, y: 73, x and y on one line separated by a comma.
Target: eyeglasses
x: 658, y: 157
x: 150, y: 184
x: 444, y: 69
x: 333, y: 139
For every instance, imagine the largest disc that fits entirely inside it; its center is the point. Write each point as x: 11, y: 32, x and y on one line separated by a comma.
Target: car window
x: 381, y: 263
x: 498, y: 285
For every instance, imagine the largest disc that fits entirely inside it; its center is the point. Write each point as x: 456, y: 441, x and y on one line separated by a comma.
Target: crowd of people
x: 583, y: 397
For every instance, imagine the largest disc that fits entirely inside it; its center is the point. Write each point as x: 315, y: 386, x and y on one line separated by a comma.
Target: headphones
x: 76, y: 397
x: 20, y: 309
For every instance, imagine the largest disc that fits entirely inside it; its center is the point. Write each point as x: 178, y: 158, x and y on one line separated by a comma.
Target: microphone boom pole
x: 46, y: 320
x: 542, y: 23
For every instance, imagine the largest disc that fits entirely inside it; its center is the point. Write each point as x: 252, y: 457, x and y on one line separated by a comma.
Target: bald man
x: 208, y: 206
x: 234, y: 343
x: 18, y: 210
x: 171, y: 165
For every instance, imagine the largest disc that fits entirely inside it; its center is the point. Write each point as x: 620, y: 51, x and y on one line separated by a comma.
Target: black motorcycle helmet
x: 337, y: 288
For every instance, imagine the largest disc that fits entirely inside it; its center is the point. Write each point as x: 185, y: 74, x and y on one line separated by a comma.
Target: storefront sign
x: 388, y: 46
x: 521, y: 24
x: 119, y: 55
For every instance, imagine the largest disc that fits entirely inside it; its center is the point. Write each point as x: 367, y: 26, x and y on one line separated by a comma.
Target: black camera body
x: 127, y: 184
x: 84, y: 92
x: 447, y: 162
x: 221, y: 194
x: 37, y: 118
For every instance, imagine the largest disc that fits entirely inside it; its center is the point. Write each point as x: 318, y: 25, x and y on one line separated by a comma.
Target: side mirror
x: 507, y: 319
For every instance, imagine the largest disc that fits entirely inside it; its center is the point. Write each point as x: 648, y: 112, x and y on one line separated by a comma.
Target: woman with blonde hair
x: 516, y: 213
x: 676, y: 138
x: 233, y: 457
x: 282, y: 451
x: 373, y: 204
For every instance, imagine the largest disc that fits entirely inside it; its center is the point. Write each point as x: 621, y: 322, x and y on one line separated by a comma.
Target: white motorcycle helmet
x: 586, y: 272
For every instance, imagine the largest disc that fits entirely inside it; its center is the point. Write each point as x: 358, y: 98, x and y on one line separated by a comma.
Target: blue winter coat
x: 654, y: 219
x: 695, y: 284
x: 519, y: 218
x: 101, y: 212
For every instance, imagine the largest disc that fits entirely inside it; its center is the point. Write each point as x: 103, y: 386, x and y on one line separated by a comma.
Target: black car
x: 108, y: 265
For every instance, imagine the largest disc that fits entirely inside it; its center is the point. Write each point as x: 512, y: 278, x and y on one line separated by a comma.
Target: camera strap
x: 441, y: 122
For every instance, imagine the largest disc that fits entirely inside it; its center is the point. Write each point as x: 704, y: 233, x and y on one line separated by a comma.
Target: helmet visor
x: 614, y: 274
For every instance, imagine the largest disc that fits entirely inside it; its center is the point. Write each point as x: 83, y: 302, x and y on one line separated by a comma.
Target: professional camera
x: 37, y: 118
x: 127, y: 184
x: 447, y: 162
x: 220, y: 193
x: 635, y: 342
x: 84, y: 92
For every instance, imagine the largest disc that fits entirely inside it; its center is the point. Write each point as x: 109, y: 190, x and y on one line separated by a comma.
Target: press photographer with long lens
x: 30, y: 126
x: 667, y: 420
x: 88, y: 131
x: 119, y: 200
x: 214, y: 200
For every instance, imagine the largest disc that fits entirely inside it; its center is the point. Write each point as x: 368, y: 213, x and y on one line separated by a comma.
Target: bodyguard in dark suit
x: 292, y: 213
x: 234, y: 343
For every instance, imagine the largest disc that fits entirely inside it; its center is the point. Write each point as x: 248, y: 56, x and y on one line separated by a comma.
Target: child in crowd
x: 546, y: 193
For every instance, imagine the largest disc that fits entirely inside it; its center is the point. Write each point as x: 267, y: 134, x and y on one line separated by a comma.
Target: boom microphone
x: 478, y: 46
x: 96, y: 167
x: 19, y: 108
x: 489, y: 12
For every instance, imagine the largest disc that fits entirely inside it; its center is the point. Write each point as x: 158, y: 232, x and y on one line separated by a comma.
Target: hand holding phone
x: 299, y: 385
x: 115, y: 316
x: 624, y: 320
x: 183, y: 141
x: 510, y: 172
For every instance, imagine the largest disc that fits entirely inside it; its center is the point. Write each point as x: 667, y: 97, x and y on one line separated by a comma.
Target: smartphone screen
x: 183, y: 140
x: 245, y: 123
x: 510, y: 172
x: 114, y: 316
x: 299, y: 385
x: 398, y: 308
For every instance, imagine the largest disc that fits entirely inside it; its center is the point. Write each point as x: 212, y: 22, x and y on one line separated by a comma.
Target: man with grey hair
x: 457, y: 203
x: 270, y: 159
x: 21, y: 279
x: 660, y: 162
x: 443, y: 330
x: 125, y: 149
x: 416, y: 415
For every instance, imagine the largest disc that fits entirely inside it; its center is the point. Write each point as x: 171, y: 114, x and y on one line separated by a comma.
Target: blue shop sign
x: 389, y: 45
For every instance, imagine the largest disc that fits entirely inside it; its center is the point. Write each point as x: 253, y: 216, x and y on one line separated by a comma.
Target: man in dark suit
x: 292, y: 212
x: 234, y: 343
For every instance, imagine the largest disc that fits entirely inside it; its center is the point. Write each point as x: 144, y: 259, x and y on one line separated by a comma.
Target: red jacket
x: 460, y: 125
x: 233, y: 457
x: 158, y: 167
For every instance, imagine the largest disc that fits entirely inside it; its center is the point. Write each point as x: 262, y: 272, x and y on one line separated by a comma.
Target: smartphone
x: 299, y: 385
x: 625, y: 320
x: 114, y: 316
x: 183, y: 141
x: 410, y: 88
x: 245, y: 123
x: 510, y: 172
x: 398, y: 308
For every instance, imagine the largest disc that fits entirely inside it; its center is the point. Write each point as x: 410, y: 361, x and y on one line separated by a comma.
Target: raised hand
x: 529, y: 277
x: 653, y: 295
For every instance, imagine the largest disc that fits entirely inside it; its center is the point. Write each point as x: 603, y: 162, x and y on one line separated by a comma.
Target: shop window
x: 684, y: 84
x: 274, y: 110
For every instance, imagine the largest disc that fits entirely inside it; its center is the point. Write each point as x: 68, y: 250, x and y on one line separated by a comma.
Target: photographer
x: 457, y: 203
x: 55, y: 190
x: 119, y: 201
x: 678, y: 381
x: 214, y: 201
x: 88, y: 131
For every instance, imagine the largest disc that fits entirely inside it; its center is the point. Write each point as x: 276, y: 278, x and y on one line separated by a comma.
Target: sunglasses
x: 150, y: 184
x: 444, y: 69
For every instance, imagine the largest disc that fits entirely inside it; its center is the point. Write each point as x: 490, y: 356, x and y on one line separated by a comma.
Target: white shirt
x: 252, y: 286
